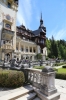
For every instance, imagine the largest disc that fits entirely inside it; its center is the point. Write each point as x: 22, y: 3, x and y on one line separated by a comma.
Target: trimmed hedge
x: 59, y: 64
x: 10, y: 78
x: 61, y: 76
x: 64, y: 66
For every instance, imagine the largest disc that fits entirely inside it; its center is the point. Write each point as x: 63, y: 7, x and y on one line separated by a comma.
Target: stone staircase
x: 29, y: 96
x: 23, y: 93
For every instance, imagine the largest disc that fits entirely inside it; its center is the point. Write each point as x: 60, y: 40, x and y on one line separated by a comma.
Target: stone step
x: 17, y: 93
x: 29, y: 96
x: 36, y: 98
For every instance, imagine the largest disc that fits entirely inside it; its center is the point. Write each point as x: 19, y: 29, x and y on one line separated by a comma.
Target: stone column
x: 19, y: 46
x: 24, y: 49
x: 32, y: 49
x: 3, y: 55
x: 32, y: 58
x: 43, y: 56
x: 0, y: 53
x: 28, y: 49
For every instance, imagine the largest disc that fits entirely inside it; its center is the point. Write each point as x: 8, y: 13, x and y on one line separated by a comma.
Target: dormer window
x: 9, y: 5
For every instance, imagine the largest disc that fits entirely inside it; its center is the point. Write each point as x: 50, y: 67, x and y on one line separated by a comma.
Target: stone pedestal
x: 48, y: 82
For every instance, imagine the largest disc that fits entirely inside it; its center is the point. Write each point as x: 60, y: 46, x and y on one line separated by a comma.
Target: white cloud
x: 52, y: 33
x: 58, y: 34
x: 24, y: 14
x: 21, y: 19
x: 61, y: 34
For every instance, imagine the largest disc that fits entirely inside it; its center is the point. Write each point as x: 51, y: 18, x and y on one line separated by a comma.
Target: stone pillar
x: 19, y: 46
x: 48, y: 84
x: 0, y: 54
x: 28, y: 49
x: 24, y: 49
x: 43, y: 56
x: 38, y: 49
x: 32, y: 49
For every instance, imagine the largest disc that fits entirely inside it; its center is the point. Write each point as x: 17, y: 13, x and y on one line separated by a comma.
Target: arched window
x: 8, y: 26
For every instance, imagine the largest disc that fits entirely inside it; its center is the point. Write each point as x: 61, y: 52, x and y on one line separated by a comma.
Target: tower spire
x: 41, y: 21
x: 41, y: 15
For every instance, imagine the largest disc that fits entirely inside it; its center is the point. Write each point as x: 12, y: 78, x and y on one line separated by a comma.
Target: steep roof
x: 41, y: 28
x: 38, y: 31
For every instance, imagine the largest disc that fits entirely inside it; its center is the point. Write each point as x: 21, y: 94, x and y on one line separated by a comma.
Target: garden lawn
x: 61, y: 70
x: 38, y: 67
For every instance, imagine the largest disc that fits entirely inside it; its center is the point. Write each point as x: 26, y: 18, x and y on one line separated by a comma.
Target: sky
x: 53, y: 15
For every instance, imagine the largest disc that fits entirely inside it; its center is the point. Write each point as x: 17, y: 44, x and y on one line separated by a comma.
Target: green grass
x: 38, y: 67
x: 61, y: 70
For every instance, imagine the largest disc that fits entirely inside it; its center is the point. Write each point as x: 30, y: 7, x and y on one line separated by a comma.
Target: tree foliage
x: 38, y: 56
x: 56, y: 49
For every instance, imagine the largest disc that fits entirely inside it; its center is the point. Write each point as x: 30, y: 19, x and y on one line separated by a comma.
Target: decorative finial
x: 41, y: 15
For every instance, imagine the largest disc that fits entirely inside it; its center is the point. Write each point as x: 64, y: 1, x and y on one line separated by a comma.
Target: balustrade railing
x: 44, y: 80
x: 34, y: 77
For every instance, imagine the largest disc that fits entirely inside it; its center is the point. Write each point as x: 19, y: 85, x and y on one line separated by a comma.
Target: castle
x: 17, y: 41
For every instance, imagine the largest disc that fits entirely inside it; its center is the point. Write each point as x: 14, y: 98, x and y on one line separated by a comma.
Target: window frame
x: 8, y: 25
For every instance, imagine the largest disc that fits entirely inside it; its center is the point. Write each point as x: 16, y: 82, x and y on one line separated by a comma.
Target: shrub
x: 38, y: 56
x: 61, y: 76
x: 64, y: 66
x: 9, y: 78
x: 47, y: 58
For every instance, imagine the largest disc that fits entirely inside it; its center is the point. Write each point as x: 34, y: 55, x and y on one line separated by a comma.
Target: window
x: 34, y: 50
x: 41, y: 50
x: 22, y: 49
x: 30, y: 49
x: 8, y: 26
x: 9, y: 5
x: 26, y: 49
x: 42, y: 41
x: 3, y: 42
x: 16, y: 48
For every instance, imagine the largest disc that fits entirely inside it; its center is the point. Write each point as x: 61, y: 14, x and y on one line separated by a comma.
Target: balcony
x: 7, y: 34
x: 7, y: 46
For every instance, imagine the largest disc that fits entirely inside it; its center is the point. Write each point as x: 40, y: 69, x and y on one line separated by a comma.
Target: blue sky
x: 53, y: 14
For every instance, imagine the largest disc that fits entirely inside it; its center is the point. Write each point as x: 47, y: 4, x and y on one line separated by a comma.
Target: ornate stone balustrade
x: 44, y: 80
x: 34, y: 76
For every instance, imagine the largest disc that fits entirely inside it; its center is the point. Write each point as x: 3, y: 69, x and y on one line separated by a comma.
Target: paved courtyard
x: 60, y: 85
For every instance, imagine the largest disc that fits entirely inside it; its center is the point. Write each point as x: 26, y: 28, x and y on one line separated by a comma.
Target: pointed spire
x: 41, y: 15
x: 41, y: 21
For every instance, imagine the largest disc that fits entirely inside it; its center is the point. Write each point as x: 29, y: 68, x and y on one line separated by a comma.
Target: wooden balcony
x: 7, y: 34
